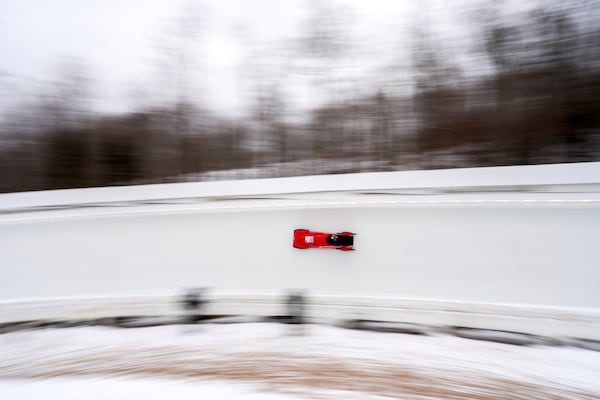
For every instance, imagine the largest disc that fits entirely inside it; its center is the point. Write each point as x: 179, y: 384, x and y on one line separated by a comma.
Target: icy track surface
x: 461, y: 235
x: 273, y: 361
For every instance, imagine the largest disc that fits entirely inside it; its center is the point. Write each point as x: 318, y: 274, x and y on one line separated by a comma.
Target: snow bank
x: 273, y: 361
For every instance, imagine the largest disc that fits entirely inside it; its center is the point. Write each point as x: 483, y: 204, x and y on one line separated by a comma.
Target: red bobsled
x: 306, y: 239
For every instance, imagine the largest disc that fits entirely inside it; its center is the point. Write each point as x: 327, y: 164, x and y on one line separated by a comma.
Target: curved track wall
x: 495, y: 248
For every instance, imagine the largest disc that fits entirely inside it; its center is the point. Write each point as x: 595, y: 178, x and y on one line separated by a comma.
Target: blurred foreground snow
x: 274, y: 361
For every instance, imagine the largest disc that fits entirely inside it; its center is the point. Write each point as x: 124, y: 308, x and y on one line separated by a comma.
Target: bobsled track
x: 511, y: 249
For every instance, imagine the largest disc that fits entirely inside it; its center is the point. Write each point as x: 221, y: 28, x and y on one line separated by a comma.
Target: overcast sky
x: 120, y: 43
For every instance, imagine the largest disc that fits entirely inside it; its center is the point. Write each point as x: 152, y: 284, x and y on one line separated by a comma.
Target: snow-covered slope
x: 272, y: 361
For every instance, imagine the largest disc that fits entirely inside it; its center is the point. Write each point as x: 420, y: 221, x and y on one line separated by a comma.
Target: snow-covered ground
x: 287, y: 169
x: 274, y: 361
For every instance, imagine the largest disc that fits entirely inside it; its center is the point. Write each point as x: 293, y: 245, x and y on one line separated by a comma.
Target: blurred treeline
x: 528, y: 93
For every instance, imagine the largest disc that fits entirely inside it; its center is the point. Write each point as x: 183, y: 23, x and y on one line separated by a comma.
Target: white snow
x: 272, y: 361
x: 104, y: 388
